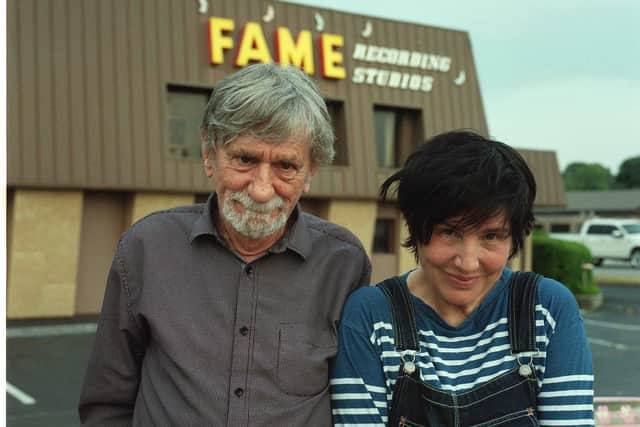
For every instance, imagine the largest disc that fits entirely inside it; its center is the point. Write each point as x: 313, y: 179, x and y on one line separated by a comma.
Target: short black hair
x: 462, y: 173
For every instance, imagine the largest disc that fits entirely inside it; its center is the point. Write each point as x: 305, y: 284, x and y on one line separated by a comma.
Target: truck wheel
x: 635, y: 258
x: 597, y: 261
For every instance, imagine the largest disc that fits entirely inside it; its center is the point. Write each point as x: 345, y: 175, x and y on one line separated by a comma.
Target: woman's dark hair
x: 461, y: 173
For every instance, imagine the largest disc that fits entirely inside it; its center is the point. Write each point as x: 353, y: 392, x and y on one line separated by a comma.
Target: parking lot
x: 46, y: 361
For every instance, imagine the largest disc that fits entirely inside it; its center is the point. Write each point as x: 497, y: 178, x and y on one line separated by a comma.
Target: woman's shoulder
x: 557, y: 300
x: 552, y: 290
x: 365, y: 307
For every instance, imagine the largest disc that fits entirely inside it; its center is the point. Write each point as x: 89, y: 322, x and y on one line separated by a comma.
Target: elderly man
x: 224, y: 314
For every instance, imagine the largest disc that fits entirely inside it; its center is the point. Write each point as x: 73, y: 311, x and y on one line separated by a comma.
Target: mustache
x: 247, y: 202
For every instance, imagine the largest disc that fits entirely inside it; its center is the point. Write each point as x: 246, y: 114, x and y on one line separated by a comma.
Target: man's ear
x: 207, y: 157
x: 307, y: 181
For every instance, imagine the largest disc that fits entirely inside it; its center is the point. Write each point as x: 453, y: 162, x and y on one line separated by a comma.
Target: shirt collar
x: 296, y: 238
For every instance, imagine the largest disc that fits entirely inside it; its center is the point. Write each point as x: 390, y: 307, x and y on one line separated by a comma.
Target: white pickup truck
x: 609, y: 238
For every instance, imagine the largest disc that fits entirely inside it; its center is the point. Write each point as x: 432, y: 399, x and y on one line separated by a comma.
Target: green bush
x: 562, y: 260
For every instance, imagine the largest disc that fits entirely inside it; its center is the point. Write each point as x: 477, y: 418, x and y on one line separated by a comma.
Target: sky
x: 554, y: 75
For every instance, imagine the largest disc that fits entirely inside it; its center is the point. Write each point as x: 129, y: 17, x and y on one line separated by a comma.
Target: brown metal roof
x: 544, y: 165
x: 87, y: 90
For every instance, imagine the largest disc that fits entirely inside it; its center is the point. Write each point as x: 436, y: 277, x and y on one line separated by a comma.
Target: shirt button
x: 248, y: 269
x: 239, y: 392
x: 244, y: 330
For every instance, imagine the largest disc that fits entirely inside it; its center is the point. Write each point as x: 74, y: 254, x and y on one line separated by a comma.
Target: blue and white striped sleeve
x: 565, y: 397
x: 358, y: 390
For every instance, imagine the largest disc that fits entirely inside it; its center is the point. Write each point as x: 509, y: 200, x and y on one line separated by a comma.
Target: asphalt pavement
x: 46, y: 360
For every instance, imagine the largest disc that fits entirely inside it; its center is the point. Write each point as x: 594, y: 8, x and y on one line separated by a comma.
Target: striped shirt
x: 459, y: 359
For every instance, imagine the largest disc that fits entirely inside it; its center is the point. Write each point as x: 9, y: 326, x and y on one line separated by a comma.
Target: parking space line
x: 606, y: 343
x: 612, y: 325
x: 20, y: 395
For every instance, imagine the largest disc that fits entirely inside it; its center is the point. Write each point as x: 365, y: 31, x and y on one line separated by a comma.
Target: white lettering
x: 394, y: 79
x: 360, y: 51
x: 371, y: 75
x: 393, y: 56
x: 403, y: 58
x: 358, y: 75
x: 383, y: 78
x: 445, y: 64
x: 415, y: 82
x: 414, y: 60
x: 427, y: 83
x: 405, y: 81
x: 372, y: 54
x: 382, y: 57
x: 434, y: 62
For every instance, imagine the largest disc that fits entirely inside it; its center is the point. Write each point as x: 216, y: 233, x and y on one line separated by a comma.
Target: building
x: 582, y: 205
x: 104, y: 102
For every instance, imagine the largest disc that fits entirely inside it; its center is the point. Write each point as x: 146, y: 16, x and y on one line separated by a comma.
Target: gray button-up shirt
x: 191, y: 335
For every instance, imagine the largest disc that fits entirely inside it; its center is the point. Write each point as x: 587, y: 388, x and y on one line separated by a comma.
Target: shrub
x: 562, y: 260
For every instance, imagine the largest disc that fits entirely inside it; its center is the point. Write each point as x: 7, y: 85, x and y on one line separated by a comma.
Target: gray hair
x: 270, y: 103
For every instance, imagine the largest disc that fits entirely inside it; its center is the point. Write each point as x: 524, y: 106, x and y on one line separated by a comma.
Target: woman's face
x: 461, y: 265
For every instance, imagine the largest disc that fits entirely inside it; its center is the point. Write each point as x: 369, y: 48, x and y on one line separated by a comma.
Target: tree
x: 629, y: 173
x: 587, y: 176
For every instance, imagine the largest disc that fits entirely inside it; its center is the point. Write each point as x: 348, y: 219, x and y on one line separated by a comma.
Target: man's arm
x: 365, y: 277
x: 566, y: 394
x: 113, y: 375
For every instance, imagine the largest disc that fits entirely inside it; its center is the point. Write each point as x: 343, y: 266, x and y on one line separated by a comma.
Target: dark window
x: 336, y: 112
x: 384, y: 236
x: 560, y: 228
x: 185, y: 108
x: 632, y: 228
x: 397, y: 132
x: 601, y: 229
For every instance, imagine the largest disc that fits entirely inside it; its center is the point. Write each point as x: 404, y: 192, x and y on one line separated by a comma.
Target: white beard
x: 255, y: 219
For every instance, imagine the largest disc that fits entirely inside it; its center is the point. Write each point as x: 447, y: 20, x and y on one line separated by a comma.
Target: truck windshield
x: 632, y: 228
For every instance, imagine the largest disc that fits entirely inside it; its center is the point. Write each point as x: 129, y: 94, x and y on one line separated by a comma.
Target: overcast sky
x: 557, y: 75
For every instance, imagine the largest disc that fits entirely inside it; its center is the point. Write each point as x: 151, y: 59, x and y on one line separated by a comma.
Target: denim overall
x: 506, y: 401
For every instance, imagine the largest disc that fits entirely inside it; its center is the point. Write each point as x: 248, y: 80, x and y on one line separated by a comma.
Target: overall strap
x: 402, y: 312
x: 522, y: 311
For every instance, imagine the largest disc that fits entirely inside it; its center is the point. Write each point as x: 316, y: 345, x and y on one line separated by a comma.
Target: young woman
x: 468, y: 342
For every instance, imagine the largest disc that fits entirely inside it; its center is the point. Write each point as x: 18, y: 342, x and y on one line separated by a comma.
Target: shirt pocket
x: 303, y: 358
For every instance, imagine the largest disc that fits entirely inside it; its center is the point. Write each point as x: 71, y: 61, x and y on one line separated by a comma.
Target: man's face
x: 461, y: 265
x: 258, y: 184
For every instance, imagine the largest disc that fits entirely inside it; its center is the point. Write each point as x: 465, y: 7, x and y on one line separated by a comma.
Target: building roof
x: 544, y: 165
x: 613, y: 200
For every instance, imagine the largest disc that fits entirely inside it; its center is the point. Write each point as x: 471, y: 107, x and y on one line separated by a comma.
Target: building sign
x: 251, y: 46
x: 399, y: 57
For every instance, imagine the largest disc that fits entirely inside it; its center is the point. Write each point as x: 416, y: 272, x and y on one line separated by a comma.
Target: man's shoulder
x: 160, y: 224
x: 324, y: 229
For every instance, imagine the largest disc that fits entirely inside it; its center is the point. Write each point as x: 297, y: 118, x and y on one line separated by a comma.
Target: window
x: 185, y: 108
x: 397, y: 132
x: 601, y: 229
x: 560, y: 228
x: 336, y: 112
x: 384, y: 236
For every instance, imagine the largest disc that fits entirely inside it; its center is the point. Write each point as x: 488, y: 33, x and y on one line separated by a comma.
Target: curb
x: 589, y: 302
x: 618, y: 280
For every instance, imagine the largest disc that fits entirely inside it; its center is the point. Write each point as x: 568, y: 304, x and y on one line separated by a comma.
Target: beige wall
x: 406, y: 260
x: 359, y: 217
x: 145, y: 203
x: 104, y: 219
x: 528, y: 253
x: 45, y: 237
